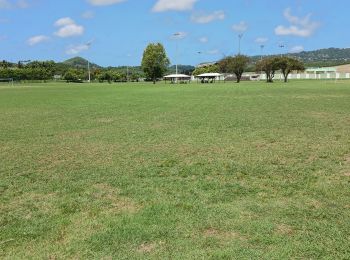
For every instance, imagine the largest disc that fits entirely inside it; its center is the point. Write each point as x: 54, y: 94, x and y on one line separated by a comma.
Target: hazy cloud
x: 299, y: 26
x: 7, y: 4
x: 213, y: 52
x: 37, y: 39
x: 22, y: 4
x: 76, y: 49
x: 240, y: 27
x: 105, y: 2
x: 297, y: 49
x: 204, y: 18
x: 261, y: 40
x: 172, y: 5
x: 203, y: 39
x: 88, y: 15
x: 179, y: 35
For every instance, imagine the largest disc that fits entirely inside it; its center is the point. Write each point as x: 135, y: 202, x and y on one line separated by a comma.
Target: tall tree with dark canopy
x: 236, y: 65
x: 287, y: 65
x: 269, y: 66
x: 155, y: 61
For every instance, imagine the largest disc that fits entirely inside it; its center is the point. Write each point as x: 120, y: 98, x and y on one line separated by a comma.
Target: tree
x: 213, y: 68
x: 287, y: 65
x: 155, y: 61
x: 269, y: 66
x: 236, y: 65
x: 73, y: 75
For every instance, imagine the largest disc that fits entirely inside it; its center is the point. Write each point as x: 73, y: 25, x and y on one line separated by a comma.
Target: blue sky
x: 115, y: 32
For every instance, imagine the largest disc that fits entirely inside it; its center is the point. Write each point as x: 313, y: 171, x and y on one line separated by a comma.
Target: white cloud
x: 68, y: 28
x: 173, y: 5
x: 88, y: 15
x: 297, y: 49
x: 261, y: 40
x: 37, y: 39
x: 105, y: 2
x: 179, y: 36
x: 299, y: 26
x: 64, y: 21
x: 207, y: 18
x: 203, y: 39
x: 76, y: 49
x: 240, y: 27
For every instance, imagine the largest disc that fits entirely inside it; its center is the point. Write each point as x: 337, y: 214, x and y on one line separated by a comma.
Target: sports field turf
x: 132, y: 171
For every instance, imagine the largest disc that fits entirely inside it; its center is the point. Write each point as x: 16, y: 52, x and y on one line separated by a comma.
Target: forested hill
x: 78, y: 62
x: 322, y: 57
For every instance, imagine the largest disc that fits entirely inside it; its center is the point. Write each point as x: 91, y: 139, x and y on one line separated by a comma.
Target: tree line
x: 155, y: 63
x: 49, y: 70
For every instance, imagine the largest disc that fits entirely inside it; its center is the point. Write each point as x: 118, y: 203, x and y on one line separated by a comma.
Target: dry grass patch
x: 29, y: 203
x: 82, y: 226
x: 146, y: 248
x: 284, y: 229
x: 76, y: 155
x: 105, y: 120
x: 112, y: 201
x: 222, y: 235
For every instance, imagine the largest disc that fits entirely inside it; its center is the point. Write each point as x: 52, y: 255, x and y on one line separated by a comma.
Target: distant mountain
x: 321, y: 58
x: 79, y: 62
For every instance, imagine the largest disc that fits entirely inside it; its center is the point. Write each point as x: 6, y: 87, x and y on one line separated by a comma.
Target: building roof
x: 204, y: 75
x: 177, y: 76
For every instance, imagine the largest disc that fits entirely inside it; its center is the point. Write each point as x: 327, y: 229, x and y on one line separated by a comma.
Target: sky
x: 115, y: 32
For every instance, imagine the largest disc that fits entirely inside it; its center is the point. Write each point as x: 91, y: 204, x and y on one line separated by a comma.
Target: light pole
x: 89, y: 71
x: 262, y: 46
x: 127, y: 68
x: 240, y: 36
x: 177, y: 51
x: 88, y: 62
x: 281, y: 46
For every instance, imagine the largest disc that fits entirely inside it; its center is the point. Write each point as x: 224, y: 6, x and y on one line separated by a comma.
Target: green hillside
x: 79, y: 62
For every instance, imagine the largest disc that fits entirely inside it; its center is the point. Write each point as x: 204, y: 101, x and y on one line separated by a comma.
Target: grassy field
x: 249, y: 171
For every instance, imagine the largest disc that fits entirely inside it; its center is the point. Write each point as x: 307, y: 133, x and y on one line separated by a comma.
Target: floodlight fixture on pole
x: 281, y: 46
x: 23, y: 61
x: 240, y: 36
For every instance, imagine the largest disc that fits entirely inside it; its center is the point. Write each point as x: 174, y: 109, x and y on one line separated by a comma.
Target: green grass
x: 249, y: 171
